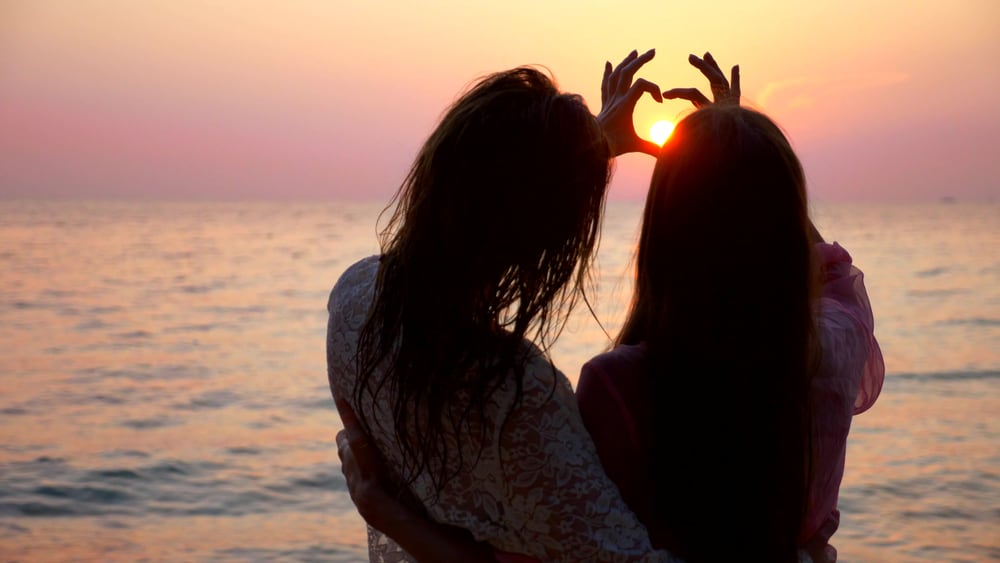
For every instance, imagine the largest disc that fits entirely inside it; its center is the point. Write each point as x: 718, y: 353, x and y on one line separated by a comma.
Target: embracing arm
x: 414, y: 531
x: 551, y: 500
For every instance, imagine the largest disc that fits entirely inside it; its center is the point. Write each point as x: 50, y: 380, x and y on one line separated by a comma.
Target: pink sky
x: 884, y: 101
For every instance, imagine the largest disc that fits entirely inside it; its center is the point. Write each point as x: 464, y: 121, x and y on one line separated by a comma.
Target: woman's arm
x: 420, y: 536
x: 550, y: 497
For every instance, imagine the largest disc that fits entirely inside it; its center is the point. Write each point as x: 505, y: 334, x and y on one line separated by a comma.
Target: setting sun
x: 660, y: 131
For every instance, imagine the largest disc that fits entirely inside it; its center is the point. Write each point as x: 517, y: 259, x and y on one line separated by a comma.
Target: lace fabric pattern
x: 537, y: 487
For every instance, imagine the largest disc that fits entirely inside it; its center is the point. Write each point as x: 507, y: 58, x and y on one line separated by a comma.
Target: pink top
x: 613, y: 400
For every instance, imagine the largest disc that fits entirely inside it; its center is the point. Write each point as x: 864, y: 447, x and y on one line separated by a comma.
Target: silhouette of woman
x: 440, y: 343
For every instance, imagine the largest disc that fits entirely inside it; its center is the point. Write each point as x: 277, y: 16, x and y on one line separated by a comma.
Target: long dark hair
x: 490, y: 242
x: 724, y: 289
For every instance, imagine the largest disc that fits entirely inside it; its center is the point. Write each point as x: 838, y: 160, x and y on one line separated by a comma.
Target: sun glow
x: 660, y: 131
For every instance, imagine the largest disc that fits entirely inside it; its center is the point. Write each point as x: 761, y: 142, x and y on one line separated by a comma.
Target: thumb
x: 649, y: 147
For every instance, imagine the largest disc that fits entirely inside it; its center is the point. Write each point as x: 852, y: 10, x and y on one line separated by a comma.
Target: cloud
x: 803, y: 91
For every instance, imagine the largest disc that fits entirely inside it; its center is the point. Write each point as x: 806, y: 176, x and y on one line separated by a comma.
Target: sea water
x: 163, y: 389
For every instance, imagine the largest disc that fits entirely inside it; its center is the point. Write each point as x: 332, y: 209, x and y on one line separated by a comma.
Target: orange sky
x: 888, y: 100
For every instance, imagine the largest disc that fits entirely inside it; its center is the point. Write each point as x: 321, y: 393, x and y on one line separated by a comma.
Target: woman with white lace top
x: 440, y: 343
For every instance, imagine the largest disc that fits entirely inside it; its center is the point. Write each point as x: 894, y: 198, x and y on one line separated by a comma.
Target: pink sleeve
x: 845, y: 300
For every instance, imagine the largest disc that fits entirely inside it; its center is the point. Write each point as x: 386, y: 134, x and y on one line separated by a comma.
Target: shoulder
x: 619, y: 367
x: 625, y: 355
x: 348, y: 306
x: 613, y: 382
x: 543, y: 381
x: 357, y: 280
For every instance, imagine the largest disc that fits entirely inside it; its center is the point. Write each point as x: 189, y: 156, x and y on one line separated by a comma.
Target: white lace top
x: 549, y: 499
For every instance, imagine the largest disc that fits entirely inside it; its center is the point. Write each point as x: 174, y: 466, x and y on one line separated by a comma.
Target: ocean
x: 163, y: 390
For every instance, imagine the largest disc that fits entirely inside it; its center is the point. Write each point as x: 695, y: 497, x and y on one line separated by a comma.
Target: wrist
x: 608, y: 138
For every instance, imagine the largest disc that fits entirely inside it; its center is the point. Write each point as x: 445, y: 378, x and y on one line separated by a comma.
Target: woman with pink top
x: 722, y: 414
x: 723, y: 411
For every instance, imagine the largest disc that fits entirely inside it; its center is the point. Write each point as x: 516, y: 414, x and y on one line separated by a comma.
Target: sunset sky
x: 308, y: 99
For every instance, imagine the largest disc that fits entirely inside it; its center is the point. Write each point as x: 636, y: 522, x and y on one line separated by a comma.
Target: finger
x: 353, y: 432
x: 713, y: 74
x: 342, y: 444
x: 347, y: 465
x: 354, y: 442
x: 349, y: 468
x: 345, y: 411
x: 711, y: 61
x: 616, y: 75
x: 702, y: 65
x: 352, y: 426
x: 353, y: 476
x: 628, y: 71
x: 357, y: 438
x: 735, y: 83
x: 690, y: 94
x: 717, y: 80
x: 628, y: 58
x: 604, y: 82
x: 642, y: 85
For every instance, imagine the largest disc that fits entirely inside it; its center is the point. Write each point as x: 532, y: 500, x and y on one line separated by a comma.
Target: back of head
x: 513, y: 177
x: 490, y: 239
x: 723, y: 296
